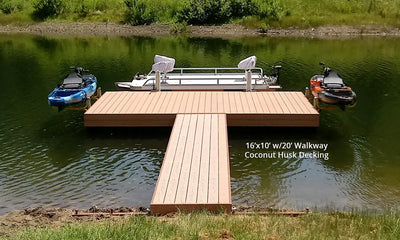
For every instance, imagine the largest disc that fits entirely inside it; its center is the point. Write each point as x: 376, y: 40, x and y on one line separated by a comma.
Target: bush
x: 139, y: 12
x: 199, y: 12
x: 270, y: 9
x: 242, y: 8
x: 10, y: 6
x: 204, y: 11
x: 221, y: 11
x: 48, y: 8
x: 83, y: 10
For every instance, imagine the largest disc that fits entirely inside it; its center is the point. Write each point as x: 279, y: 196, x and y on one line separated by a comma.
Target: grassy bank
x: 251, y: 13
x: 206, y: 226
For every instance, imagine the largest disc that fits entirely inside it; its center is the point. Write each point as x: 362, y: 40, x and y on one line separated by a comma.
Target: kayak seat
x: 73, y: 81
x: 333, y: 85
x: 333, y: 80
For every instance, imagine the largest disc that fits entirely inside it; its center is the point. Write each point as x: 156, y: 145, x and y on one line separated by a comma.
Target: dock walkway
x: 195, y: 171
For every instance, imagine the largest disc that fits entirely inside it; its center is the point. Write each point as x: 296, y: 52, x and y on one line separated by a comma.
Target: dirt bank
x: 224, y: 31
x: 39, y: 217
x: 57, y: 217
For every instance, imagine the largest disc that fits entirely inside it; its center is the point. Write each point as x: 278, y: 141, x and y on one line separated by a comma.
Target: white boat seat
x: 163, y: 64
x: 248, y: 63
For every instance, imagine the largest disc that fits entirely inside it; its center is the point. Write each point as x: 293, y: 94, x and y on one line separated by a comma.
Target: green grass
x: 302, y: 14
x: 313, y: 13
x: 207, y: 226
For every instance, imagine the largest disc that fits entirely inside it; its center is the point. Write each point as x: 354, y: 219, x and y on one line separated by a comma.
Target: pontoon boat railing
x: 207, y: 75
x: 215, y: 70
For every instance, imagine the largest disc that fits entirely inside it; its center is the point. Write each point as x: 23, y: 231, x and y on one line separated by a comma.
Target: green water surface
x: 50, y: 159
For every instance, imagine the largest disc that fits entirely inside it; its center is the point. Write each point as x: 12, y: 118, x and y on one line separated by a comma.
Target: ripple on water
x: 50, y: 159
x: 102, y: 176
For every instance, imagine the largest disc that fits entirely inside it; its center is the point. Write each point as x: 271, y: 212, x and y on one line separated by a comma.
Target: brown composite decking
x: 195, y: 172
x: 119, y: 109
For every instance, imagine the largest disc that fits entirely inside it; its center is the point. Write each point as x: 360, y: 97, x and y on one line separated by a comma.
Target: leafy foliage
x: 242, y: 8
x: 139, y: 12
x: 48, y: 8
x: 270, y: 9
x: 10, y: 6
x: 205, y: 11
x: 221, y: 11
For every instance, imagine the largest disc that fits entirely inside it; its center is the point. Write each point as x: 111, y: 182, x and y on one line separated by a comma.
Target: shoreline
x: 245, y: 223
x: 103, y: 29
x: 39, y: 217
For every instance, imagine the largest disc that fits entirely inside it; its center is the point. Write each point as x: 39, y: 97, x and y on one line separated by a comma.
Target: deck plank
x: 183, y: 102
x: 202, y: 104
x: 196, y: 101
x: 170, y: 104
x: 296, y: 103
x: 165, y: 171
x: 134, y: 103
x: 99, y: 103
x: 177, y: 105
x: 307, y: 108
x: 166, y: 103
x: 182, y: 186
x: 189, y: 105
x: 238, y: 102
x: 273, y: 103
x: 128, y: 102
x: 155, y: 103
x: 207, y: 103
x: 227, y: 108
x: 232, y: 104
x: 202, y: 191
x: 148, y: 100
x: 172, y: 188
x: 214, y: 102
x: 284, y: 103
x: 191, y: 197
x: 260, y: 104
x: 163, y: 100
x: 107, y: 103
x: 291, y: 105
x: 223, y: 162
x: 213, y: 184
x: 123, y: 99
x: 252, y: 103
x: 268, y: 103
x: 113, y: 104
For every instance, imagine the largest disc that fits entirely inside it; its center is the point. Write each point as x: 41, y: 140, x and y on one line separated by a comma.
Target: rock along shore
x: 223, y: 31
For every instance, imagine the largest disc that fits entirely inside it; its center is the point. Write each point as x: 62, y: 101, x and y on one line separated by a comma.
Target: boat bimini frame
x: 163, y: 76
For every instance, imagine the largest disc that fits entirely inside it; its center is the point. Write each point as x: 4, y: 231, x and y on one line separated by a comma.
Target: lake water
x: 50, y: 159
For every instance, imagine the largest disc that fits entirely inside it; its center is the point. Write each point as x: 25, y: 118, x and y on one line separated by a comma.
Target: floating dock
x: 195, y: 171
x: 155, y: 109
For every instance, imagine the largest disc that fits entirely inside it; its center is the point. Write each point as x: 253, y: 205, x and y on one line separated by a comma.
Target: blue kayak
x: 76, y: 88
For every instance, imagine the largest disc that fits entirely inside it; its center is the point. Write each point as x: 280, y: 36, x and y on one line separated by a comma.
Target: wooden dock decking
x: 123, y: 109
x: 195, y: 171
